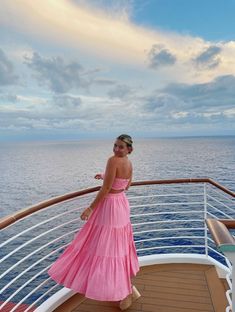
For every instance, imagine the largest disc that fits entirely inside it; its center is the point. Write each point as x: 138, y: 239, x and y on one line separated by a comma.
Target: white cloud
x: 178, y: 115
x: 61, y: 75
x: 230, y: 113
x: 210, y: 114
x: 7, y: 75
x: 105, y: 35
x: 91, y: 70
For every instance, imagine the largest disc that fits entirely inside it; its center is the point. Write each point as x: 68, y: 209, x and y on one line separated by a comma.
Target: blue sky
x: 71, y: 69
x: 209, y: 19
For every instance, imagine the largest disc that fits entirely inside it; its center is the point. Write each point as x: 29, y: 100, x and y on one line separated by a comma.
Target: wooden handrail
x: 220, y: 232
x: 222, y: 188
x: 229, y: 223
x: 224, y: 240
x: 6, y: 221
x: 189, y: 180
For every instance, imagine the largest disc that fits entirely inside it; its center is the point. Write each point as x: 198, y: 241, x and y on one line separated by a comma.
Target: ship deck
x: 166, y: 288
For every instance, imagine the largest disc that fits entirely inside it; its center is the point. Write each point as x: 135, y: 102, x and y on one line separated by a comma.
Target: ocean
x: 35, y: 171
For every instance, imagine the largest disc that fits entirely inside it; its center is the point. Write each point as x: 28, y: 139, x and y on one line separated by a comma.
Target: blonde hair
x: 126, y: 139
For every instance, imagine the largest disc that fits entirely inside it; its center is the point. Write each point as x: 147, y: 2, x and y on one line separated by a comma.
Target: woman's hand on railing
x: 99, y: 176
x: 86, y: 214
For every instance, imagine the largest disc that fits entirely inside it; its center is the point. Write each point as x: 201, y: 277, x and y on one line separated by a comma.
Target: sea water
x: 31, y: 172
x: 35, y: 171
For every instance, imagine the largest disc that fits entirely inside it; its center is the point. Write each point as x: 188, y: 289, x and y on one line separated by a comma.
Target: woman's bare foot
x: 127, y: 302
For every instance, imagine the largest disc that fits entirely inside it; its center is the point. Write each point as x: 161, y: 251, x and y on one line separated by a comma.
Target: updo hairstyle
x: 126, y: 139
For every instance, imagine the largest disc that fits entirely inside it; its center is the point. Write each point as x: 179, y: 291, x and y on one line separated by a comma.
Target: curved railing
x: 4, y: 222
x: 167, y: 217
x: 225, y: 242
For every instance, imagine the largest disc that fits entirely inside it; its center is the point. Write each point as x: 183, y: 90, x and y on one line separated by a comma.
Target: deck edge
x: 64, y: 294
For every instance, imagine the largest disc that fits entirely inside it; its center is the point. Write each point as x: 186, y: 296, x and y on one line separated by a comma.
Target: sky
x: 75, y: 69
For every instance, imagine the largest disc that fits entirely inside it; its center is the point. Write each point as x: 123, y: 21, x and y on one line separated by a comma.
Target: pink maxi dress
x: 101, y: 259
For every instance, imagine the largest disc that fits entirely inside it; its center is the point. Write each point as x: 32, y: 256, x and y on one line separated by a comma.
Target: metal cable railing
x: 166, y: 223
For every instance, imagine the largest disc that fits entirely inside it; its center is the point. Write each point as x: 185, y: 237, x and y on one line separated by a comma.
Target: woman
x: 101, y: 260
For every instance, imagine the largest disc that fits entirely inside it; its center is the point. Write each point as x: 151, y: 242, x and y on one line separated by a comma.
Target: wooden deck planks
x: 216, y: 287
x: 169, y: 288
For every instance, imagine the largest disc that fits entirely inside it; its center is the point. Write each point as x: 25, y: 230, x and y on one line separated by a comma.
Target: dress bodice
x: 120, y: 184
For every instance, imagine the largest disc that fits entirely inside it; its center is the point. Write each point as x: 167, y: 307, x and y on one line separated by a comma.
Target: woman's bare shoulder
x: 112, y: 160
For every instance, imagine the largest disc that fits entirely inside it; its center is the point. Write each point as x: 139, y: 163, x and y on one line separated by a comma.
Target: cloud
x: 175, y: 108
x: 218, y: 93
x: 103, y: 81
x: 62, y: 76
x: 67, y: 102
x: 159, y: 102
x: 117, y: 8
x: 54, y: 72
x: 7, y: 76
x: 65, y: 106
x: 64, y: 112
x: 8, y: 97
x: 179, y: 104
x: 159, y: 56
x: 230, y: 113
x: 96, y: 31
x: 209, y: 58
x: 178, y: 115
x: 111, y: 36
x: 120, y: 91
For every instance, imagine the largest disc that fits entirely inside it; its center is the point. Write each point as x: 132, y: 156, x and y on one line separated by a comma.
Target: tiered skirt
x: 101, y: 259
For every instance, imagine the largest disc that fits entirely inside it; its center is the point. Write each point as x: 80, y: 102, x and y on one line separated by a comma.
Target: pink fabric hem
x: 92, y: 294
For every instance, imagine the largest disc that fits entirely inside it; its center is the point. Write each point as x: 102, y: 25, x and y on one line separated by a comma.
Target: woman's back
x: 124, y: 168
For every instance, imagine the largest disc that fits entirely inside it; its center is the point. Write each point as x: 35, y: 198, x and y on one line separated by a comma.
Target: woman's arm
x: 110, y: 173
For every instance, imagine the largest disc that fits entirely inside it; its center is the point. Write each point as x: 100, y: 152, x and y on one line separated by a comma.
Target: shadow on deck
x: 167, y: 288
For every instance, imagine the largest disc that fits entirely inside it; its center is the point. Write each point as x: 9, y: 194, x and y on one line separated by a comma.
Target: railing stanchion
x: 233, y: 290
x: 205, y: 217
x: 231, y: 256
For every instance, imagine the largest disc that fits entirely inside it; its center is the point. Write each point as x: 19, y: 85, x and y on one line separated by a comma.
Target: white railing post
x: 233, y: 290
x: 231, y: 256
x: 205, y: 217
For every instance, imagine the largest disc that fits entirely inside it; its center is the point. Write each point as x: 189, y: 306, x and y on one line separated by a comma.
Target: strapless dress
x: 102, y: 258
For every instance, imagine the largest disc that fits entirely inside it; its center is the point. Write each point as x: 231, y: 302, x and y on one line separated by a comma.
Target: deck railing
x: 225, y: 243
x: 168, y: 218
